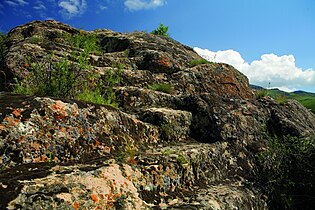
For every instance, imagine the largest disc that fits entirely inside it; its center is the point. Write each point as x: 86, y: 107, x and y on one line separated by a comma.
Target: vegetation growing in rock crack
x: 168, y: 151
x: 182, y: 159
x: 35, y: 39
x: 127, y: 151
x: 197, y: 62
x: 71, y: 76
x: 287, y: 172
x: 161, y: 87
x: 162, y: 30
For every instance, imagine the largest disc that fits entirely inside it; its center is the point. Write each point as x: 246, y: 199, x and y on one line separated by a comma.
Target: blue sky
x: 270, y: 41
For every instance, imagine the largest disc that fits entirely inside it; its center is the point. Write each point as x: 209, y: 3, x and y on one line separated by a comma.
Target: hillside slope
x: 305, y: 98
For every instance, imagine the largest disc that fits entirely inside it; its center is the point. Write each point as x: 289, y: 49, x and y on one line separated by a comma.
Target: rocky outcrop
x: 192, y: 147
x: 155, y: 58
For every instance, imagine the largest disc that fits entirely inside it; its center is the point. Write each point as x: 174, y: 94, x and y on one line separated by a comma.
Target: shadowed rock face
x: 190, y: 148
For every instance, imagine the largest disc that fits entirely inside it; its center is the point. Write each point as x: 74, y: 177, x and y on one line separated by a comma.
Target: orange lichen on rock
x: 17, y: 112
x: 58, y: 107
x: 21, y: 139
x: 11, y: 121
x: 165, y: 61
x: 76, y: 205
x: 94, y: 198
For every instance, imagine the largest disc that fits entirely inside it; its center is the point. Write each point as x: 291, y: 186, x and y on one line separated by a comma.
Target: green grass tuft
x: 261, y: 93
x: 197, y: 62
x: 92, y: 96
x: 161, y: 87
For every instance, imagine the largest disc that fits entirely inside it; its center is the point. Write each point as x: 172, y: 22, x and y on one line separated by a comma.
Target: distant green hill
x: 305, y: 98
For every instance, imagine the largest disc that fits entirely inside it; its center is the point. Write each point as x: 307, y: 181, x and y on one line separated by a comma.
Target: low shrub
x: 49, y: 78
x: 87, y: 41
x: 70, y: 76
x: 110, y: 80
x: 287, y: 172
x: 3, y: 38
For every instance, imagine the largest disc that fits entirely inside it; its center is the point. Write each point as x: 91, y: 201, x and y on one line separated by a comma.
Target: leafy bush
x: 85, y: 40
x: 49, y: 78
x: 198, y: 62
x: 71, y: 76
x: 112, y: 78
x: 63, y: 78
x: 287, y: 172
x: 162, y: 87
x: 162, y: 30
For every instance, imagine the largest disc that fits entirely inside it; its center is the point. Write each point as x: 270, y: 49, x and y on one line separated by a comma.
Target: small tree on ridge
x: 161, y: 30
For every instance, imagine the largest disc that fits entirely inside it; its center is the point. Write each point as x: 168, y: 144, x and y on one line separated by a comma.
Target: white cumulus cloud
x: 278, y: 71
x: 134, y: 5
x: 72, y: 8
